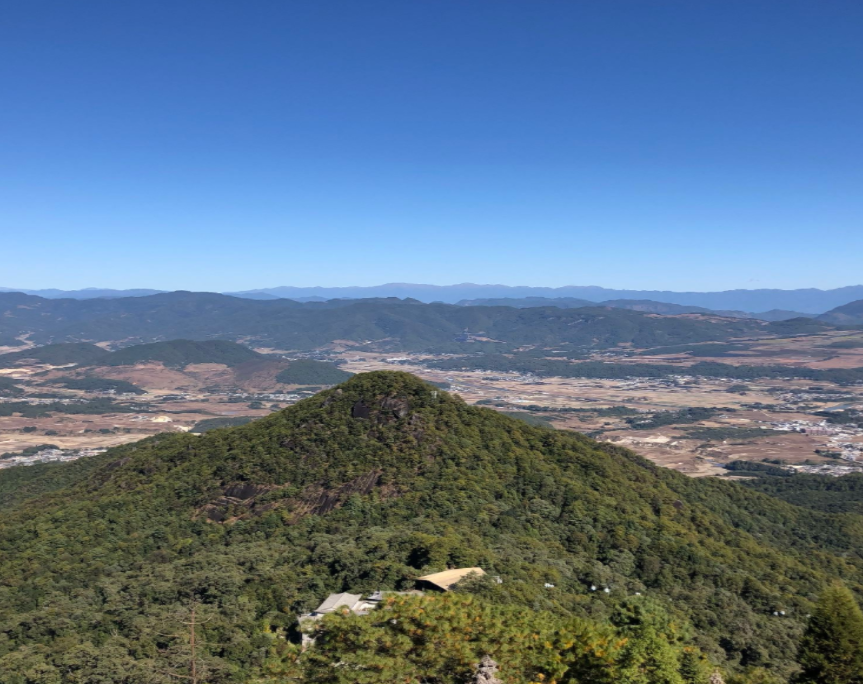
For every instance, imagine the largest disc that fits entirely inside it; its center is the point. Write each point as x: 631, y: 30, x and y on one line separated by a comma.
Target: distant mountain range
x: 809, y: 300
x: 86, y: 293
x: 644, y: 305
x: 385, y: 324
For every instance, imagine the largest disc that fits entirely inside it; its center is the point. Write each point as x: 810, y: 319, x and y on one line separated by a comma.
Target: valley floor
x: 693, y: 424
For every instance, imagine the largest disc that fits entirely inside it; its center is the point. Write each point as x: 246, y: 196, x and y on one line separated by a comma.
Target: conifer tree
x: 831, y: 651
x: 650, y: 654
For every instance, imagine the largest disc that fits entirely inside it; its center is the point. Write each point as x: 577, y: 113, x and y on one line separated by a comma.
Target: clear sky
x: 224, y: 145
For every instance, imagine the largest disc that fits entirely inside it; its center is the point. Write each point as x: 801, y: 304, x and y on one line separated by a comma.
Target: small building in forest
x: 355, y: 603
x: 446, y: 580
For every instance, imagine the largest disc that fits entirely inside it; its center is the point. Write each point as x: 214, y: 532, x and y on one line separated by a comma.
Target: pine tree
x: 831, y: 651
x: 650, y: 654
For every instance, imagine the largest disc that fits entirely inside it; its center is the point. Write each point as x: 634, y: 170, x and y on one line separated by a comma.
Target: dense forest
x: 368, y: 486
x: 828, y: 494
x: 309, y: 372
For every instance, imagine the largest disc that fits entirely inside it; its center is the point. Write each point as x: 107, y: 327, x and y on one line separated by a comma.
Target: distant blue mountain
x: 86, y: 293
x: 809, y: 301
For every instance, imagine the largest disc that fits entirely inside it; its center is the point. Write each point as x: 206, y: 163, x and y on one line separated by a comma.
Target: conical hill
x: 376, y: 482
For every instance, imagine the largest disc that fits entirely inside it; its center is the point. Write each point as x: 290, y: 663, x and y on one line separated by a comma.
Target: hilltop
x: 308, y: 372
x: 370, y: 485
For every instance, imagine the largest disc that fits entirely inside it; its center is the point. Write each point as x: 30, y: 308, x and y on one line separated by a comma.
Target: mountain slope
x: 181, y: 353
x: 81, y: 353
x: 528, y: 302
x: 849, y: 314
x: 370, y: 485
x: 172, y: 353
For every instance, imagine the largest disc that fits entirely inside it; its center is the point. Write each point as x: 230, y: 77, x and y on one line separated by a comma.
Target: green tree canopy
x: 831, y: 651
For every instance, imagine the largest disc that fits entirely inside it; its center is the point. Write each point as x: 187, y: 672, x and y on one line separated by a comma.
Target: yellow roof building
x: 448, y: 578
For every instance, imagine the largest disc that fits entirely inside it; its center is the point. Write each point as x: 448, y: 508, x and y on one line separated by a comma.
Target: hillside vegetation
x: 828, y: 494
x: 172, y: 353
x: 181, y: 353
x: 81, y: 353
x: 848, y: 314
x: 9, y: 387
x: 367, y: 486
x: 88, y: 384
x: 309, y: 372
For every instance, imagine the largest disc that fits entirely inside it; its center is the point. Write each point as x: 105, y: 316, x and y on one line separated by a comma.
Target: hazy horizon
x: 7, y: 288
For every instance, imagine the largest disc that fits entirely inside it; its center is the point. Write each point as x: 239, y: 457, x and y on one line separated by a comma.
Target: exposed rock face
x: 716, y: 678
x: 333, y: 397
x: 361, y: 410
x: 398, y: 405
x: 317, y: 500
x: 237, y: 500
x: 382, y: 409
x: 243, y: 500
x: 486, y: 672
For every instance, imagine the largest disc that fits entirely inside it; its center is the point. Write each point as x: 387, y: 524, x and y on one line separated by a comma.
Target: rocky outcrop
x: 237, y: 501
x: 317, y: 500
x: 381, y: 410
x: 243, y: 500
x: 486, y: 672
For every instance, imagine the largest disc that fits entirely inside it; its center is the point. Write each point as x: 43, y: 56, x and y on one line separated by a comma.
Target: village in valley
x: 691, y: 423
x: 694, y: 424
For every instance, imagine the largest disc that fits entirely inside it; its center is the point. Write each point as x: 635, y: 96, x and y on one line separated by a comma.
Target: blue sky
x: 224, y: 145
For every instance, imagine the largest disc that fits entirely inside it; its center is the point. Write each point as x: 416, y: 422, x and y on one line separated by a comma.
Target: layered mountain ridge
x: 809, y: 300
x: 390, y: 324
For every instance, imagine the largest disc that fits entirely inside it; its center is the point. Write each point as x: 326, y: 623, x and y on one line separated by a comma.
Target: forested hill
x: 172, y: 353
x: 180, y: 353
x: 61, y: 354
x: 368, y: 486
x: 849, y: 314
x: 386, y: 323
